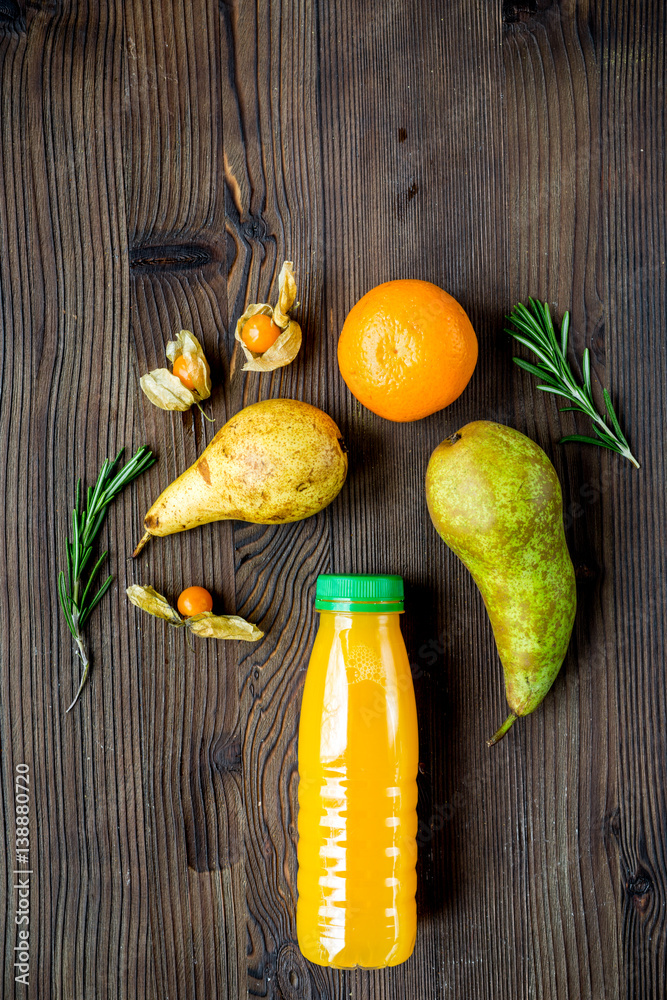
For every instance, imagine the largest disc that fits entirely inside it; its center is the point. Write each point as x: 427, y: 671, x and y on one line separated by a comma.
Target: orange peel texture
x: 407, y: 349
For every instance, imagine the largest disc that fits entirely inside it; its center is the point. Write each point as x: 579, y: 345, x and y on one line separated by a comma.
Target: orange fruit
x: 407, y: 349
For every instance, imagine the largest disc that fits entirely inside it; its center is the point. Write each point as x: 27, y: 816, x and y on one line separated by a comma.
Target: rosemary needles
x: 76, y: 591
x: 535, y: 330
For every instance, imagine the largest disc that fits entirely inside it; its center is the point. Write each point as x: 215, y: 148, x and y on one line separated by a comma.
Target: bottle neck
x: 346, y: 619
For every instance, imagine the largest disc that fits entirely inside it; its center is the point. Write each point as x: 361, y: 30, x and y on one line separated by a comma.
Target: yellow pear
x: 275, y: 461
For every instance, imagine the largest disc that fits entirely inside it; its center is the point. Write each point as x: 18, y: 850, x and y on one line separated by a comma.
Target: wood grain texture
x: 159, y: 159
x: 633, y: 198
x: 553, y: 170
x: 275, y: 199
x: 176, y: 226
x: 65, y: 405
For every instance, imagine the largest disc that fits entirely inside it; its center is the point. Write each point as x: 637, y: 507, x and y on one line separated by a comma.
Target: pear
x: 275, y: 461
x: 494, y: 497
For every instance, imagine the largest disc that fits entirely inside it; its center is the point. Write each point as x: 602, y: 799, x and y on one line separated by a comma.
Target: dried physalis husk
x: 207, y: 625
x: 286, y: 347
x: 212, y: 626
x: 148, y: 599
x: 198, y: 370
x: 164, y: 389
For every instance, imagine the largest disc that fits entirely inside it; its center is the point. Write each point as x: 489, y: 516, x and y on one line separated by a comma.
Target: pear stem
x: 499, y: 733
x: 141, y: 545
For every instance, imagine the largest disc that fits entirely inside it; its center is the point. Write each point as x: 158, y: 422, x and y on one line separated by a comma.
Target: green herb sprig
x: 535, y: 330
x: 74, y: 591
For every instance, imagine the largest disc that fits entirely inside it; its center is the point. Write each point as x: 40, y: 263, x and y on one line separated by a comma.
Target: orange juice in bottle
x: 358, y: 758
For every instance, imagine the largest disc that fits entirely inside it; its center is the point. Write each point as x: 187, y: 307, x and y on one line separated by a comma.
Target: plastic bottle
x: 358, y: 759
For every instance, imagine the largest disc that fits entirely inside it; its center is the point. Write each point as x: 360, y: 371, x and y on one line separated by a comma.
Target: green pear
x: 275, y: 461
x: 494, y: 497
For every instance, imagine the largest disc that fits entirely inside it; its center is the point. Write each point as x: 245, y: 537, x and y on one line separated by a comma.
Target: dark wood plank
x: 634, y: 128
x: 274, y: 212
x: 191, y: 727
x: 65, y: 405
x: 602, y: 140
x: 555, y: 245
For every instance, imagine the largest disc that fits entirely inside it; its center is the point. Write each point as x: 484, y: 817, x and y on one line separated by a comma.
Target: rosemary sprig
x: 535, y: 330
x: 75, y: 592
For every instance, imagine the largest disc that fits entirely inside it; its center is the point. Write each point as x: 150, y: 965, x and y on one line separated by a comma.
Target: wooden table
x: 160, y: 159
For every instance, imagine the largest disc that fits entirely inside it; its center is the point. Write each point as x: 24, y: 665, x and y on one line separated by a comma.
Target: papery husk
x: 207, y: 625
x: 212, y: 626
x: 148, y: 599
x: 287, y: 345
x: 166, y: 390
x: 186, y: 343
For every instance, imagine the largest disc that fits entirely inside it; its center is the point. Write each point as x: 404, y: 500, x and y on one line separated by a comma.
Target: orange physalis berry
x: 259, y: 333
x: 194, y: 601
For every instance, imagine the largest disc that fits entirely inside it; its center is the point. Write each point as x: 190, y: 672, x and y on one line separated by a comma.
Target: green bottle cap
x: 349, y: 592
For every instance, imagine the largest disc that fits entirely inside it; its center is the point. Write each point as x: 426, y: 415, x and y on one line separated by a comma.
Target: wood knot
x: 12, y: 16
x: 639, y: 888
x: 177, y: 257
x: 294, y: 977
x: 520, y: 12
x: 255, y: 228
x: 227, y: 756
